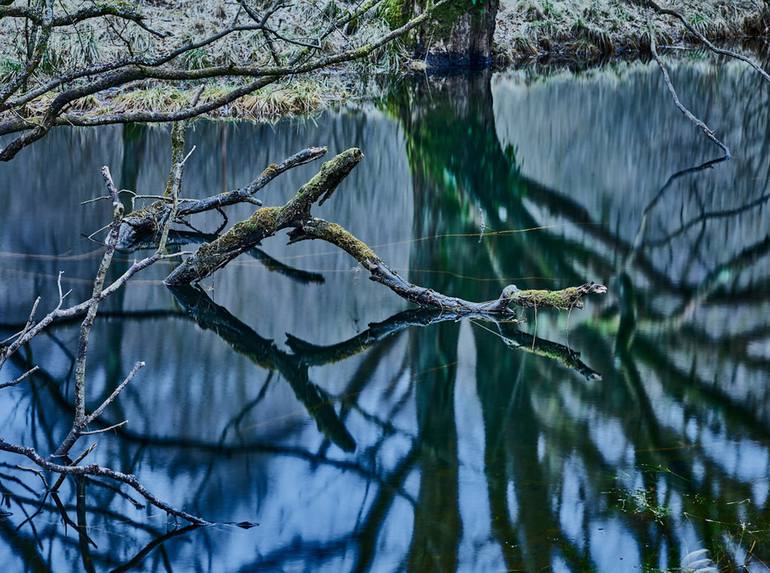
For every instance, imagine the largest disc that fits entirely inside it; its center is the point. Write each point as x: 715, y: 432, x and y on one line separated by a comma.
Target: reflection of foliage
x: 439, y: 124
x: 647, y: 448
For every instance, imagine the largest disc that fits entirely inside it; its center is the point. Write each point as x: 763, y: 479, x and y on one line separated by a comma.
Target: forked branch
x: 296, y: 215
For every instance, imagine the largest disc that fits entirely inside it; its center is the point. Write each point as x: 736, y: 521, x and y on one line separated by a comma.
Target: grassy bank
x: 527, y: 30
x: 586, y: 29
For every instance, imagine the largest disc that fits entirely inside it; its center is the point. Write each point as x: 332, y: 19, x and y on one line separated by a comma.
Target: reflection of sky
x: 312, y: 501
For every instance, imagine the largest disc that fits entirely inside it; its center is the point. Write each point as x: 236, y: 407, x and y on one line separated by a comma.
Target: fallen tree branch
x: 265, y: 222
x: 295, y: 214
x: 704, y: 40
x: 146, y: 222
x: 708, y: 132
x: 424, y: 297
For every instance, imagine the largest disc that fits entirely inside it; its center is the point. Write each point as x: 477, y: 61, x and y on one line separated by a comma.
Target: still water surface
x: 269, y: 398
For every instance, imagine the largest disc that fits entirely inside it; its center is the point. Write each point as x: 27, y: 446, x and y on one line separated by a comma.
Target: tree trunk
x: 459, y: 35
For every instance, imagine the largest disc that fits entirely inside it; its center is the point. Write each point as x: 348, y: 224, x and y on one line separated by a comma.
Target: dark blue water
x: 466, y: 446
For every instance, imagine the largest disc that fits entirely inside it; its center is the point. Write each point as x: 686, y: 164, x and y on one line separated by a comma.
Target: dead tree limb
x: 704, y: 40
x: 93, y: 307
x: 20, y: 379
x: 707, y: 131
x: 79, y: 426
x: 82, y: 419
x: 265, y: 222
x: 147, y: 221
x: 100, y: 471
x: 428, y: 298
x: 295, y: 215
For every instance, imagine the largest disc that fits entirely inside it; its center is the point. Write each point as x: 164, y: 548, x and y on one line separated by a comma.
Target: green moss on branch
x: 565, y: 299
x: 265, y: 222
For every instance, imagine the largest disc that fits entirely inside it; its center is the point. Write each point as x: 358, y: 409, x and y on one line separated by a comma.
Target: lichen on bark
x: 295, y: 214
x: 565, y: 299
x: 266, y: 222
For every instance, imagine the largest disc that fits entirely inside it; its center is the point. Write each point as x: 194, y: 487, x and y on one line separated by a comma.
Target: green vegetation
x: 643, y: 503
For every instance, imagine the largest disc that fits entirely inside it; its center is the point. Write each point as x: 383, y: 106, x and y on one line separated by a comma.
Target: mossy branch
x: 295, y: 214
x: 380, y: 272
x: 265, y: 222
x: 146, y: 222
x: 565, y: 299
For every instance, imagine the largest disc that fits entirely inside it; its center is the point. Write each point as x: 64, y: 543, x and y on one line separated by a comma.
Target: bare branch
x: 20, y: 379
x: 96, y: 470
x: 687, y: 113
x: 45, y: 21
x: 115, y: 393
x: 704, y: 40
x: 53, y: 116
x: 107, y: 429
x: 88, y: 322
x: 89, y: 13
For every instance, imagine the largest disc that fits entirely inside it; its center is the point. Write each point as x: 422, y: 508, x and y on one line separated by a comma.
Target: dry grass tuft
x: 525, y: 29
x: 592, y: 28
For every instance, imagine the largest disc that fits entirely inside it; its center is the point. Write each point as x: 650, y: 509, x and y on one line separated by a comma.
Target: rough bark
x: 265, y: 222
x: 145, y: 223
x: 460, y: 34
x: 295, y: 214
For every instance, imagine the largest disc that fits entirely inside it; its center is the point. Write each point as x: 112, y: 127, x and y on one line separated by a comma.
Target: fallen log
x: 295, y: 215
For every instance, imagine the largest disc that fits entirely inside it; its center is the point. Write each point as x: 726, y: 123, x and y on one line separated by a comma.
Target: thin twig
x: 107, y: 429
x: 96, y: 470
x: 20, y: 379
x: 88, y: 321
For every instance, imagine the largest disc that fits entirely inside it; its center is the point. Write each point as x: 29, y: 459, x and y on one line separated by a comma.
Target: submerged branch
x: 99, y: 471
x: 315, y: 355
x: 263, y: 352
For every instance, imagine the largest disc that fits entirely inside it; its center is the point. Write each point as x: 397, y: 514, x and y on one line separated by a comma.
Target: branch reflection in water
x: 418, y: 442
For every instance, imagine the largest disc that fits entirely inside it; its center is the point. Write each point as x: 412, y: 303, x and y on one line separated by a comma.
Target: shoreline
x: 529, y: 33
